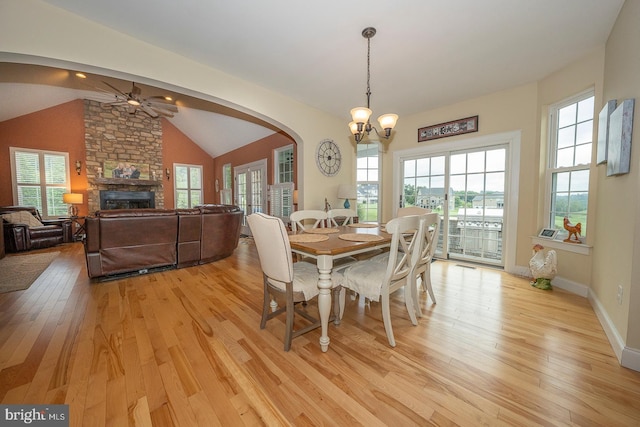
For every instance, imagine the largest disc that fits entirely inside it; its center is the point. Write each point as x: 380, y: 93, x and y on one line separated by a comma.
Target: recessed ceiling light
x: 81, y: 75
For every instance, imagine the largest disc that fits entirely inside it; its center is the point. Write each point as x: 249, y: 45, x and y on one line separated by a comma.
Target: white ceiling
x: 426, y: 54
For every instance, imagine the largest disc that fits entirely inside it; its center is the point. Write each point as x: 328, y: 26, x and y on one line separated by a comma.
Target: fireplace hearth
x: 127, y: 200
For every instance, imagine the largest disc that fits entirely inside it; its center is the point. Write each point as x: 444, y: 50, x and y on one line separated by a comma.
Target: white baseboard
x: 627, y: 357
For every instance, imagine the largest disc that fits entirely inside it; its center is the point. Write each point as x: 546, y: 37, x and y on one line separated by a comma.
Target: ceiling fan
x: 153, y: 106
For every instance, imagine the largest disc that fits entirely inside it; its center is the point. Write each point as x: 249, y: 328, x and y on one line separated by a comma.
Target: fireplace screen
x: 127, y: 200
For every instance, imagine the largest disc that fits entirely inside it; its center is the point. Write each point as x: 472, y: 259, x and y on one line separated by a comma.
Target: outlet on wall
x: 619, y: 295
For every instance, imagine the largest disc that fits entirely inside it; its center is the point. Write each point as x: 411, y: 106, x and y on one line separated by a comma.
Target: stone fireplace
x: 112, y: 134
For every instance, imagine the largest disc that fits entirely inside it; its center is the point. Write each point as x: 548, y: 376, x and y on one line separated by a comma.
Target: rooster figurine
x: 574, y: 230
x: 543, y: 268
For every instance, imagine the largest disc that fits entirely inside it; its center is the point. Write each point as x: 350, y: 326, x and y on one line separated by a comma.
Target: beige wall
x: 617, y: 226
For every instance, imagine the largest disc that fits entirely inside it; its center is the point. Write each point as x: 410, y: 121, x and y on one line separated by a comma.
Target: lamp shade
x: 347, y: 191
x: 72, y: 198
x: 388, y: 121
x: 360, y: 114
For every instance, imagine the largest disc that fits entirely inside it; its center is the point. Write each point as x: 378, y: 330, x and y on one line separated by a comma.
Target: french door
x: 467, y: 188
x: 250, y: 190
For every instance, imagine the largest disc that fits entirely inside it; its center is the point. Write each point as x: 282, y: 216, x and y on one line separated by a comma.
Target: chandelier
x: 360, y: 115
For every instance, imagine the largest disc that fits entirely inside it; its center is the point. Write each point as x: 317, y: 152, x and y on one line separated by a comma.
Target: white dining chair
x: 376, y: 279
x: 412, y: 210
x: 421, y: 265
x: 295, y: 282
x: 306, y: 219
x: 338, y: 217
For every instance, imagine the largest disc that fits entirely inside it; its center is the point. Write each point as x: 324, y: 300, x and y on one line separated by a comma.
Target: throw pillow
x: 22, y: 217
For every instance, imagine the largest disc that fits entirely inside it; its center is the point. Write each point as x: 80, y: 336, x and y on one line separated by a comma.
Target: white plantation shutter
x: 282, y: 200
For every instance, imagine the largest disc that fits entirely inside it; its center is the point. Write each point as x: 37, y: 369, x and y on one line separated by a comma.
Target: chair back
x: 412, y: 210
x: 426, y: 242
x: 298, y: 219
x: 347, y: 214
x: 404, y: 238
x: 272, y: 243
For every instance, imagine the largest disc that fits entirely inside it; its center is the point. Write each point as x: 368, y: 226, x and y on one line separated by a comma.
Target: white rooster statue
x: 543, y: 268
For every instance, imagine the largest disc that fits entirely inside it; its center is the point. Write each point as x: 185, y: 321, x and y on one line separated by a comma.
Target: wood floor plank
x: 184, y: 348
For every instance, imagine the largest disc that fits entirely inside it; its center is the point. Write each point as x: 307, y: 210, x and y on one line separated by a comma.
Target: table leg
x: 325, y: 265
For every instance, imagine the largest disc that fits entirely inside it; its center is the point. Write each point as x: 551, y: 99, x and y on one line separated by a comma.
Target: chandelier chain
x: 368, y: 71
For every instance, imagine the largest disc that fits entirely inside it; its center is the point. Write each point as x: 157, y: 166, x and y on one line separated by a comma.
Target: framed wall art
x: 125, y: 170
x: 603, y: 130
x: 619, y: 141
x: 442, y: 130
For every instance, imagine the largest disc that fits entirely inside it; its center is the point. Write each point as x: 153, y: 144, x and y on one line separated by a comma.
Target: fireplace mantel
x: 123, y: 181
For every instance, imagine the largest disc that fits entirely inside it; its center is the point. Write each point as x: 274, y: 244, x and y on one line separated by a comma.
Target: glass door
x: 467, y: 189
x: 250, y: 190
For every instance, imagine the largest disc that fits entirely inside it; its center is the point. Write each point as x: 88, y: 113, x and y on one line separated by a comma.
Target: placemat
x: 362, y: 225
x: 322, y: 230
x: 307, y: 238
x: 360, y: 237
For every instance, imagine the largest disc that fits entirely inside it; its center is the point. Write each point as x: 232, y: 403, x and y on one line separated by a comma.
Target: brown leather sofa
x: 135, y: 241
x: 22, y: 237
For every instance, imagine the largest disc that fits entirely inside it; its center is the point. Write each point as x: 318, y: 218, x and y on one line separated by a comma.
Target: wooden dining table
x: 363, y: 237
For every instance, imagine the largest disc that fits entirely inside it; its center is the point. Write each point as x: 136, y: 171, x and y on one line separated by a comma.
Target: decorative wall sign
x: 456, y: 127
x: 619, y: 145
x: 603, y: 130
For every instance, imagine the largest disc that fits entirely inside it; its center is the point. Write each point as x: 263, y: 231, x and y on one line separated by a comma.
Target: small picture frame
x: 548, y: 233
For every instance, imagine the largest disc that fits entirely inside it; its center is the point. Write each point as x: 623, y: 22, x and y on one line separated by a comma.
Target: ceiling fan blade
x: 117, y: 90
x: 161, y: 106
x: 149, y: 111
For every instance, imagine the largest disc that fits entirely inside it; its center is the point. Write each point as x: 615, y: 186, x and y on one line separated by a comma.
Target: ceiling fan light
x: 133, y: 102
x: 360, y: 114
x: 388, y: 121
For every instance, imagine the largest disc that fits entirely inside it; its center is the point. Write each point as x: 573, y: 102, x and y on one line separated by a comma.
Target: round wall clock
x: 328, y: 157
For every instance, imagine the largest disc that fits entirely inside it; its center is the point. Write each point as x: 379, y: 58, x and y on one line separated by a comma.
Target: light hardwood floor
x: 184, y: 348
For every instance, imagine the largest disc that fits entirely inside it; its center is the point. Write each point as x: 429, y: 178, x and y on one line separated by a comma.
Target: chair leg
x: 409, y: 301
x: 386, y: 318
x: 426, y: 284
x: 416, y: 296
x: 265, y: 306
x: 289, y: 322
x: 342, y: 299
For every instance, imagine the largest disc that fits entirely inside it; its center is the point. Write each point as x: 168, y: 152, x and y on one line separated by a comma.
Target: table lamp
x: 346, y: 192
x: 72, y: 199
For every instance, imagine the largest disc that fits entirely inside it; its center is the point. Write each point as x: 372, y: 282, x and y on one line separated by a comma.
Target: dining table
x: 328, y: 245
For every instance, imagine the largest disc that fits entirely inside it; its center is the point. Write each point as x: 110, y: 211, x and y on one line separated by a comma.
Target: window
x: 368, y: 181
x: 571, y: 135
x: 227, y: 184
x: 283, y: 164
x: 188, y: 184
x: 40, y: 178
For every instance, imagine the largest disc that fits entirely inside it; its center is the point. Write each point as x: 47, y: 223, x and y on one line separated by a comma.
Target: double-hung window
x: 188, y: 185
x: 571, y: 140
x: 40, y: 178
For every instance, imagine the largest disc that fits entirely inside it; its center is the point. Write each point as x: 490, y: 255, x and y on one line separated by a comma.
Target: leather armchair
x: 22, y: 237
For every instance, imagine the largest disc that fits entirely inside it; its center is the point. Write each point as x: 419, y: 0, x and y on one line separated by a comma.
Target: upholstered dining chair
x: 421, y: 265
x: 283, y: 279
x: 306, y: 219
x: 377, y: 278
x: 338, y: 217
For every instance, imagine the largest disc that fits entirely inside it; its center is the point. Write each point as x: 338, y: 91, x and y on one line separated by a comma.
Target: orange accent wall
x: 59, y: 128
x: 178, y: 148
x: 258, y: 150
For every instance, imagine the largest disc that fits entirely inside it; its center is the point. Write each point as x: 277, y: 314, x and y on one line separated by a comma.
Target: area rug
x: 18, y: 272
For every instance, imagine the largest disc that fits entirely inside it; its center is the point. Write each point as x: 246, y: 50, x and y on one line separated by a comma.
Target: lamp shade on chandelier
x: 360, y: 116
